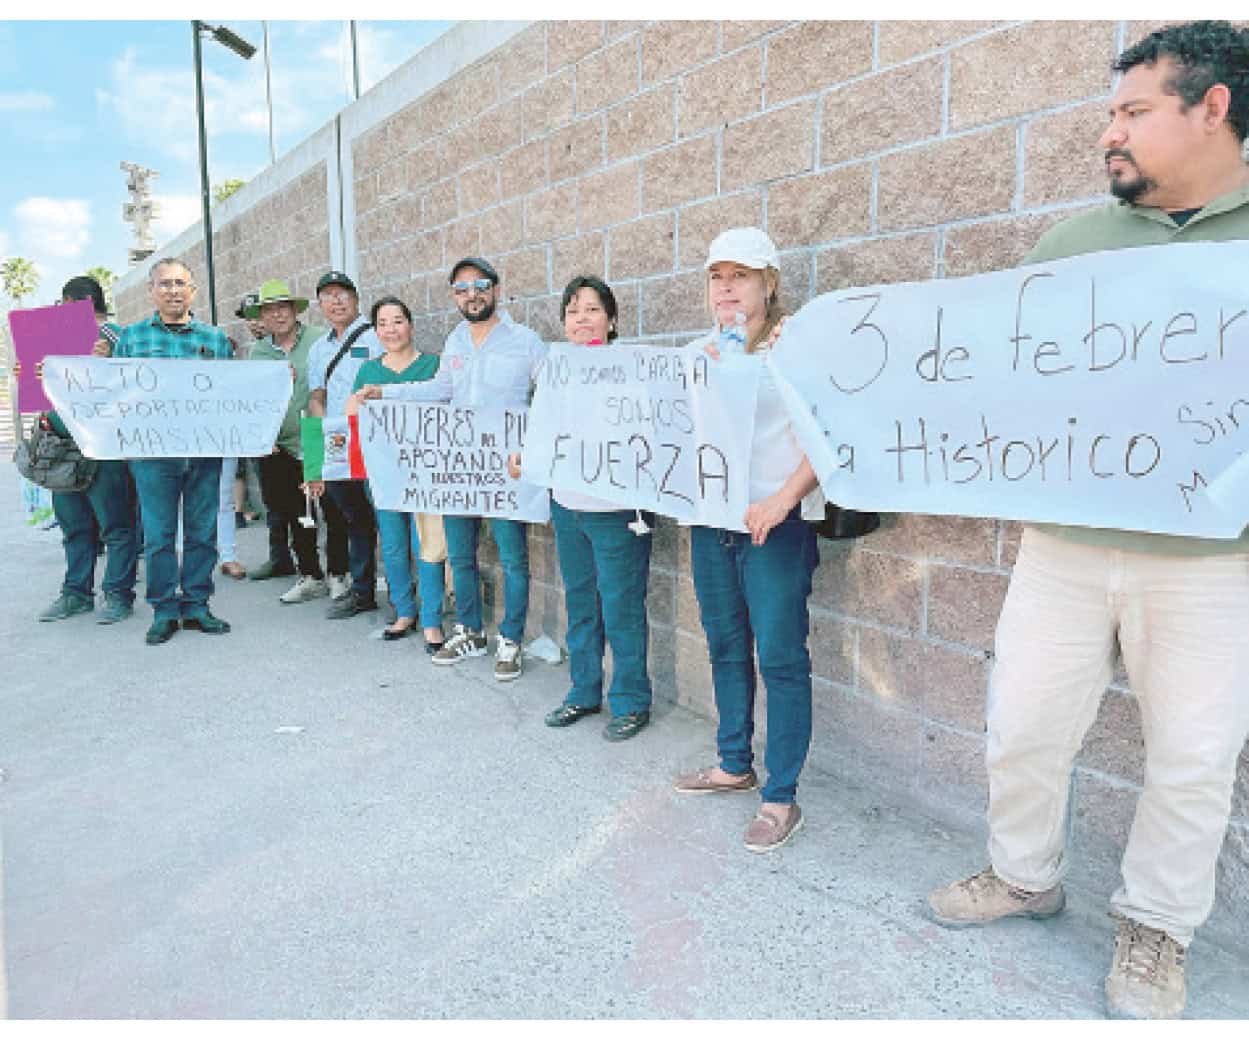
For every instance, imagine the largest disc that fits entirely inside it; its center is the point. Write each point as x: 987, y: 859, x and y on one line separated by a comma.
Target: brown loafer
x: 233, y: 569
x: 770, y: 830
x: 702, y: 782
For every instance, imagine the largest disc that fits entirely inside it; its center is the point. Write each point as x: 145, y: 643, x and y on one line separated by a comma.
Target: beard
x: 484, y: 314
x: 1129, y: 189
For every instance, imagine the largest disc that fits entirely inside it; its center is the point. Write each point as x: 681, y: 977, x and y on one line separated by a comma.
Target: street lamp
x: 231, y: 41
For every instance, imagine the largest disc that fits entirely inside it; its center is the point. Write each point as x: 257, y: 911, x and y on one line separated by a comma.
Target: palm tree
x: 20, y: 278
x: 106, y: 278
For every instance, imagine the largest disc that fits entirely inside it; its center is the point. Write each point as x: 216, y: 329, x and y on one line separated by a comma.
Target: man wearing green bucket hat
x: 281, y: 473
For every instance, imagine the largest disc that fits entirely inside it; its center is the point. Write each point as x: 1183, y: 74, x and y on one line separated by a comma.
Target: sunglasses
x: 480, y: 284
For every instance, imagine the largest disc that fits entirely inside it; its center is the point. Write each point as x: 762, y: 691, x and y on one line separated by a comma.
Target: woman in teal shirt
x: 403, y: 533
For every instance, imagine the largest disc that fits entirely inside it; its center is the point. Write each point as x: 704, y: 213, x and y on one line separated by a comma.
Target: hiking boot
x: 464, y: 642
x: 66, y: 605
x: 269, y: 569
x: 507, y: 660
x: 1146, y: 977
x: 985, y: 897
x: 339, y: 586
x: 624, y: 727
x: 115, y: 609
x: 770, y: 829
x: 303, y: 590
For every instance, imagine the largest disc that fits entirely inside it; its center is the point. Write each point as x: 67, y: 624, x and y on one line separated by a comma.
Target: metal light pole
x: 355, y: 63
x: 273, y: 155
x: 244, y: 50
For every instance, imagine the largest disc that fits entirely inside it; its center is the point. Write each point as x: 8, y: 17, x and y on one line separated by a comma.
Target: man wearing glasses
x: 166, y: 484
x: 333, y: 361
x: 489, y: 359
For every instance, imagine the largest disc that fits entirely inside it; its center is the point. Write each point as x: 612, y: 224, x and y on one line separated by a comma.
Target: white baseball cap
x: 747, y: 246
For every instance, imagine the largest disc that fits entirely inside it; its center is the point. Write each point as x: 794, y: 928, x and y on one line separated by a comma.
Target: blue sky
x: 78, y: 98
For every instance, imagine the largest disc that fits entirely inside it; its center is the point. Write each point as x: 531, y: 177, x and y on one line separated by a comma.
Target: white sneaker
x: 304, y: 589
x: 340, y: 585
x: 507, y: 660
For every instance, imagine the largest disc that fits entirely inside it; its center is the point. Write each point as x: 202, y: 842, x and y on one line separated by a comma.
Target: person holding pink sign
x: 105, y: 512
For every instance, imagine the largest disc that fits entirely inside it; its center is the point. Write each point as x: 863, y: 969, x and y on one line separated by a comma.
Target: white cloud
x: 156, y: 108
x: 177, y: 213
x: 26, y: 101
x: 53, y: 228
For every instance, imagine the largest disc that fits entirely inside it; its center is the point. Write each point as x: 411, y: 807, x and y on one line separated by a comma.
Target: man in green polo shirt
x: 1178, y: 607
x: 281, y: 473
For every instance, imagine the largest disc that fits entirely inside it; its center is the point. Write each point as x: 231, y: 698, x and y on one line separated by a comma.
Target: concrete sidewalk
x: 297, y: 820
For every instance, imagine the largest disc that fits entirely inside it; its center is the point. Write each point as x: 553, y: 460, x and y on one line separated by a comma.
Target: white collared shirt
x: 322, y: 352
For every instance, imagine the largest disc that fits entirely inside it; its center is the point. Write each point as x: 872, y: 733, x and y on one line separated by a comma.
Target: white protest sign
x: 1106, y: 390
x: 447, y: 459
x: 647, y: 428
x: 134, y: 408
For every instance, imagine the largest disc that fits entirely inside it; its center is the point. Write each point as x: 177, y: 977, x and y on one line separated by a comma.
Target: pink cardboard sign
x: 42, y: 331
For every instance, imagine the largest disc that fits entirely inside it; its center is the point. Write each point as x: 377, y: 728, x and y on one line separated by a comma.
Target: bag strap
x: 329, y: 371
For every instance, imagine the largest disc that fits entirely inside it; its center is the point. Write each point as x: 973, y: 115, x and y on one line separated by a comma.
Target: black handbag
x: 845, y: 523
x: 54, y: 461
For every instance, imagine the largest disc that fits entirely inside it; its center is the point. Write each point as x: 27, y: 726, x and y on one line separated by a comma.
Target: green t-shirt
x: 266, y: 350
x: 1122, y: 226
x: 374, y: 373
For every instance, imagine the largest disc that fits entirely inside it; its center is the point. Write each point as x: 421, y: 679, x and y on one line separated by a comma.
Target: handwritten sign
x: 42, y: 332
x: 1107, y: 390
x: 131, y: 408
x: 647, y: 427
x: 447, y: 459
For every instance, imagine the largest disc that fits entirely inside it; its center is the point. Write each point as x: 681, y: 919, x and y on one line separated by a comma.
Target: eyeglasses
x: 480, y: 284
x: 335, y: 296
x: 170, y: 284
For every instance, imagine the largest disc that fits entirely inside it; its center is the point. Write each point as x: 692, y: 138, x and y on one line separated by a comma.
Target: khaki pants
x: 1183, y: 626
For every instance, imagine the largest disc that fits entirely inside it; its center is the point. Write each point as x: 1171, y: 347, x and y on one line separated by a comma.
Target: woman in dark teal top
x: 402, y: 534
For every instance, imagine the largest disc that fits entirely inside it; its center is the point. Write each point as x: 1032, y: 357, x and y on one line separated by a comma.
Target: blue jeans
x: 353, y: 504
x: 163, y: 485
x: 400, y: 543
x: 509, y: 536
x: 605, y: 568
x: 756, y: 596
x: 102, y: 513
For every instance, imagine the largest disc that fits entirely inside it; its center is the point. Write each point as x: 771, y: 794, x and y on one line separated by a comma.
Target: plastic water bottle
x: 733, y: 337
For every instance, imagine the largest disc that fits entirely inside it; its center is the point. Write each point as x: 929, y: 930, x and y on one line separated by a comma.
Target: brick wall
x: 872, y: 152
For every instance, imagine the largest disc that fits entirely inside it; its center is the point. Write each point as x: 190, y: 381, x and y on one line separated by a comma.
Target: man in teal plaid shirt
x: 171, y: 332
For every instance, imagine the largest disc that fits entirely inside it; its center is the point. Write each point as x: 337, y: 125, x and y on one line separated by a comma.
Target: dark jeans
x: 336, y: 556
x: 510, y: 537
x: 605, y: 567
x: 756, y: 596
x: 357, y: 512
x: 164, y: 485
x: 102, y: 513
x: 280, y: 476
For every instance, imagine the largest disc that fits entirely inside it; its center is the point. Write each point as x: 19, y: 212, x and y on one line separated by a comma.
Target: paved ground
x: 297, y: 820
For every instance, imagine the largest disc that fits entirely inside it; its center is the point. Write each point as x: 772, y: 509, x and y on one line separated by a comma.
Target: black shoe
x: 433, y: 648
x: 391, y: 634
x: 625, y: 726
x: 205, y: 622
x: 269, y: 569
x: 349, y: 606
x: 162, y: 631
x: 567, y: 714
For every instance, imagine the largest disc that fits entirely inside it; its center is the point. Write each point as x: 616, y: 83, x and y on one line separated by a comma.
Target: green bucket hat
x: 275, y: 291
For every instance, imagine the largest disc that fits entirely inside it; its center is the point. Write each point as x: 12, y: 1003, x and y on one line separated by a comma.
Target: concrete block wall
x: 871, y: 152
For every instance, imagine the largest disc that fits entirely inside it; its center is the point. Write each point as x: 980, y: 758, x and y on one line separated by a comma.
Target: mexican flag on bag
x: 331, y: 448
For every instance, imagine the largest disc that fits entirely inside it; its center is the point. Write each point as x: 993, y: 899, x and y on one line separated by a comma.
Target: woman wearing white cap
x: 752, y: 588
